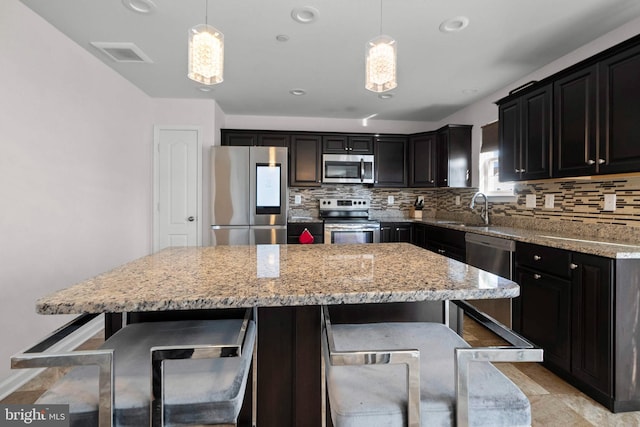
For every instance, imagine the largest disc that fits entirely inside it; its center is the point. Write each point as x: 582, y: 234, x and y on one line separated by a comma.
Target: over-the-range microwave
x: 347, y: 168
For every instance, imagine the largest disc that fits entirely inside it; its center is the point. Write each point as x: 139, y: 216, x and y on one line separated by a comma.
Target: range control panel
x: 344, y: 204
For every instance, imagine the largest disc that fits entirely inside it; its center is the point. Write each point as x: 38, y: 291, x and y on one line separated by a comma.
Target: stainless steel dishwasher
x: 494, y: 255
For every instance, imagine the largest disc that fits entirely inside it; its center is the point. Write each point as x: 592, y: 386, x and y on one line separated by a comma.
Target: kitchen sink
x: 589, y: 241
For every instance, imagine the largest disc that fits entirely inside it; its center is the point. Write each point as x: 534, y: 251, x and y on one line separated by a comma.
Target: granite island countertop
x: 277, y: 275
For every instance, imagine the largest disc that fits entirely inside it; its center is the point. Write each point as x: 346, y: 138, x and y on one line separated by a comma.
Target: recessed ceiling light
x: 140, y: 6
x: 305, y: 14
x: 453, y: 25
x: 385, y: 96
x: 282, y: 38
x: 298, y: 92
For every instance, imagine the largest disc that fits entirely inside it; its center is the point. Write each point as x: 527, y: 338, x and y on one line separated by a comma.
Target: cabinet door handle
x: 441, y: 251
x: 573, y: 266
x: 537, y: 257
x: 536, y: 276
x: 397, y: 229
x: 522, y: 170
x: 517, y: 170
x: 601, y: 161
x: 591, y: 162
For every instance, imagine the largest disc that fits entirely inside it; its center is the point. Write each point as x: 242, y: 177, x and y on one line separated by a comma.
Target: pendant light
x: 381, y: 62
x: 206, y: 53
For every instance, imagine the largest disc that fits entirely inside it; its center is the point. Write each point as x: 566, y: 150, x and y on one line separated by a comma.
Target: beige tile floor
x: 553, y: 401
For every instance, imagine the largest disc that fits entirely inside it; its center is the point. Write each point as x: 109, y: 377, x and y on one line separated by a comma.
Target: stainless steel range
x: 347, y: 221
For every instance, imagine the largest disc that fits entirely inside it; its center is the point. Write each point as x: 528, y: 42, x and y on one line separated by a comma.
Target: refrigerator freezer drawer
x: 259, y: 235
x: 268, y: 235
x: 222, y: 236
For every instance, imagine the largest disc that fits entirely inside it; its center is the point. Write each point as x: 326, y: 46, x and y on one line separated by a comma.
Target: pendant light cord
x: 206, y: 12
x: 380, y: 17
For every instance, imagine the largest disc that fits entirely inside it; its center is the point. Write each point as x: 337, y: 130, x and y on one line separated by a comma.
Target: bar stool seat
x: 196, y: 391
x: 368, y: 386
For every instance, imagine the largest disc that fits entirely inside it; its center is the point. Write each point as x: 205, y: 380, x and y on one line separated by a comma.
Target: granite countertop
x: 277, y: 275
x: 594, y: 246
x: 304, y: 219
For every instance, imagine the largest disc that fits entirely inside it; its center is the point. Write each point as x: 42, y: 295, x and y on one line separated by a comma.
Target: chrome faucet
x: 484, y: 212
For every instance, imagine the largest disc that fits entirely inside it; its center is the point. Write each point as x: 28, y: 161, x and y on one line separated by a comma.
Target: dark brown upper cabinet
x: 453, y: 158
x: 619, y: 92
x: 253, y: 138
x: 239, y: 138
x: 273, y: 140
x: 595, y: 125
x: 525, y: 136
x: 575, y: 124
x: 305, y: 160
x: 391, y: 161
x: 422, y: 160
x: 347, y: 144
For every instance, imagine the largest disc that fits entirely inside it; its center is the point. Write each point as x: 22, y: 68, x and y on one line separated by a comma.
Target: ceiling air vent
x: 122, y: 52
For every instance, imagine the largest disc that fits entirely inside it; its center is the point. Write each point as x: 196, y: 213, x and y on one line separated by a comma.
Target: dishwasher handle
x: 490, y: 241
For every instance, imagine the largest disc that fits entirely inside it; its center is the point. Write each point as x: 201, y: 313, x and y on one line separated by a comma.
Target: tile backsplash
x: 578, y: 205
x: 403, y: 199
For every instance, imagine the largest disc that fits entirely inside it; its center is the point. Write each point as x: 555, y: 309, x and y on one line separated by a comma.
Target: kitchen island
x: 287, y: 283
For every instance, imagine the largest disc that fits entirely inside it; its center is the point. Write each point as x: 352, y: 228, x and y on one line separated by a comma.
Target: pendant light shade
x: 206, y: 55
x: 381, y: 64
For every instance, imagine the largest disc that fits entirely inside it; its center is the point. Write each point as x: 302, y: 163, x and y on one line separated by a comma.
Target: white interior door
x: 177, y: 187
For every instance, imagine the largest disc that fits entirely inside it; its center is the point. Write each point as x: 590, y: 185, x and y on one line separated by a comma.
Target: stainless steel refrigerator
x: 248, y: 195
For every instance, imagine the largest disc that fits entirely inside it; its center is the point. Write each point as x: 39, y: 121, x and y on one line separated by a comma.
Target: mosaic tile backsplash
x: 578, y: 205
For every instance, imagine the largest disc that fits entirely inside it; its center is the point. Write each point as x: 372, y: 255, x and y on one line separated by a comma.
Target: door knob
x: 191, y: 219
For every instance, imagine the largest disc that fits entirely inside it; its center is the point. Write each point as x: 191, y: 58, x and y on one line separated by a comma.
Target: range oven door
x: 345, y: 233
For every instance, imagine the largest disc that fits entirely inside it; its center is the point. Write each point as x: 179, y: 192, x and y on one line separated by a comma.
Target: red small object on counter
x: 306, y: 237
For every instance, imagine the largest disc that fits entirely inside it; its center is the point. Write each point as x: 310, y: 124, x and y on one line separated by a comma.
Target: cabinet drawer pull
x: 398, y: 229
x: 573, y: 266
x: 601, y: 161
x: 441, y: 251
x: 591, y: 162
x: 537, y: 257
x: 536, y: 276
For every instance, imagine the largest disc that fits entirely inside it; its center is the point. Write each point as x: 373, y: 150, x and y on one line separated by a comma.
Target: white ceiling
x: 438, y: 73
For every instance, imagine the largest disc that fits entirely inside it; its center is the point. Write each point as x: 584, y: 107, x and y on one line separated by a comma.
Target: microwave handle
x: 361, y: 169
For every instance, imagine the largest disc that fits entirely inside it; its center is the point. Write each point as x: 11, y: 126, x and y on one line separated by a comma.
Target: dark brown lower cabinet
x: 393, y: 232
x: 294, y: 229
x: 592, y: 323
x: 584, y: 311
x: 545, y: 315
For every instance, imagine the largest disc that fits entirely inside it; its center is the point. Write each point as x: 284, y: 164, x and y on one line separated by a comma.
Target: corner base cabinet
x: 583, y: 310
